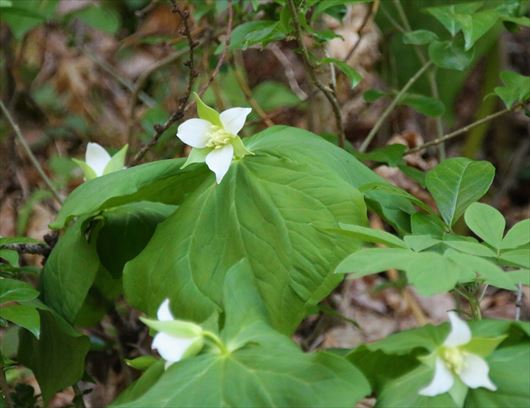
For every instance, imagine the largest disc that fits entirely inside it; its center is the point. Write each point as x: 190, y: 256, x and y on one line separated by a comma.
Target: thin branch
x: 367, y: 18
x: 431, y: 77
x: 28, y: 151
x: 328, y: 93
x: 288, y: 70
x: 518, y: 301
x: 38, y: 249
x: 179, y: 113
x: 222, y: 58
x: 460, y: 131
x: 242, y: 81
x: 391, y: 107
x: 139, y: 84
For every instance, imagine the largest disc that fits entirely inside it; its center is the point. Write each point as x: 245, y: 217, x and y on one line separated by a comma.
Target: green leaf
x: 12, y: 290
x: 391, y: 154
x: 18, y: 240
x: 263, y: 210
x: 448, y: 15
x: 485, y: 270
x: 484, y: 346
x: 25, y: 316
x: 255, y: 32
x: 420, y: 242
x: 507, y: 366
x: 373, y: 95
x: 154, y: 181
x: 450, y: 55
x: 347, y: 70
x: 475, y: 25
x: 430, y: 274
x: 141, y: 363
x: 126, y: 231
x: 57, y: 358
x: 374, y: 260
x: 101, y: 18
x: 207, y: 113
x: 521, y: 276
x: 456, y: 183
x: 372, y: 235
x: 272, y: 95
x: 427, y: 224
x: 70, y: 271
x: 423, y: 104
x: 516, y: 88
x: 262, y: 368
x: 519, y: 257
x: 419, y: 37
x: 394, y: 192
x: 142, y: 385
x: 517, y: 236
x: 472, y: 248
x: 117, y: 162
x: 23, y: 16
x: 486, y: 222
x: 88, y: 171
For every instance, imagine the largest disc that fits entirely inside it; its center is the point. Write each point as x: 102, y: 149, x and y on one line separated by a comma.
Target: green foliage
x: 456, y: 183
x: 259, y: 366
x: 516, y: 88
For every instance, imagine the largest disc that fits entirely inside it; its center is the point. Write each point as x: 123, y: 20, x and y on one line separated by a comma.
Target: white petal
x: 195, y: 132
x: 233, y: 119
x: 442, y: 382
x: 218, y: 160
x: 475, y: 371
x: 96, y: 157
x: 164, y: 312
x: 171, y: 348
x: 459, y: 334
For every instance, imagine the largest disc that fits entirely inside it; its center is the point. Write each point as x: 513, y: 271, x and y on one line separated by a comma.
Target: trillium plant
x: 214, y: 137
x: 457, y: 360
x: 99, y: 162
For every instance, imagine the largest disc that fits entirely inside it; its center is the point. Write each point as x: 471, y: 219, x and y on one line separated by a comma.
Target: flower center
x: 453, y: 358
x: 219, y: 137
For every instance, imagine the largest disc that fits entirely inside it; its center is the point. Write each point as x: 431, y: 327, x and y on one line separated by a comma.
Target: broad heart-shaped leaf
x: 447, y: 15
x: 261, y: 368
x: 12, y: 290
x: 456, y: 183
x: 70, y: 271
x: 450, y: 55
x: 264, y: 210
x: 161, y: 181
x: 57, y: 358
x: 486, y: 222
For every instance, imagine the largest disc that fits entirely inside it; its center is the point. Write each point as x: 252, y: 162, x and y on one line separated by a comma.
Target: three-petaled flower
x: 213, y: 137
x: 455, y: 359
x: 176, y: 339
x: 98, y: 161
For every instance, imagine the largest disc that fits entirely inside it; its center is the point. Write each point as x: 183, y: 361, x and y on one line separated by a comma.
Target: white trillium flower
x: 453, y: 359
x: 98, y: 161
x: 176, y: 339
x: 214, y: 138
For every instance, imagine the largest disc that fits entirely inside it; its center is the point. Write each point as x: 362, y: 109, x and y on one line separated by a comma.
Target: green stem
x: 216, y: 341
x: 30, y: 154
x: 4, y: 386
x: 392, y: 105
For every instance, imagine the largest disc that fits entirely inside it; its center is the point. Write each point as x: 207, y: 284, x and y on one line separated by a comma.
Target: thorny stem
x: 392, y: 105
x: 460, y: 131
x: 28, y: 151
x: 328, y: 93
x: 179, y: 113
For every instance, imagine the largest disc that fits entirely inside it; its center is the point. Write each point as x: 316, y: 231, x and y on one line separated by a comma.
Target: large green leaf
x: 450, y: 55
x: 24, y: 315
x: 126, y: 231
x: 70, y: 270
x: 161, y: 181
x: 517, y: 236
x: 57, y: 358
x: 516, y: 88
x: 261, y: 368
x: 263, y: 209
x: 486, y: 222
x: 456, y: 183
x: 12, y: 290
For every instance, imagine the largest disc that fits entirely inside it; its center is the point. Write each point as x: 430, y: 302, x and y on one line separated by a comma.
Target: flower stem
x: 216, y: 341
